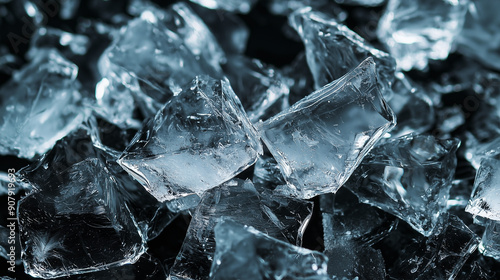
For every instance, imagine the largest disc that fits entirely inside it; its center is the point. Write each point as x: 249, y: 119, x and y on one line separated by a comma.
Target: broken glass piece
x: 79, y: 210
x: 367, y: 3
x: 198, y: 140
x: 479, y: 38
x: 238, y: 6
x: 243, y: 252
x: 321, y: 139
x: 39, y: 105
x: 409, y: 177
x: 484, y: 199
x: 417, y: 31
x: 257, y: 85
x: 490, y: 243
x: 440, y: 256
x: 332, y: 49
x: 280, y: 217
x: 66, y: 43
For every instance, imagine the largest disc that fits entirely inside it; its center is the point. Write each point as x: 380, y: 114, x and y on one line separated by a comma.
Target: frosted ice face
x: 485, y: 199
x: 416, y: 31
x: 39, y: 105
x: 490, y: 243
x: 198, y: 140
x: 321, y: 139
x: 246, y: 253
x: 283, y: 218
x: 333, y: 49
x: 409, y: 177
x: 78, y: 210
x: 239, y: 6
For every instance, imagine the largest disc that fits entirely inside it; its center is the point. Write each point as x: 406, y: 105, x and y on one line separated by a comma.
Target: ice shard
x: 257, y: 85
x: 320, y: 140
x: 490, y: 243
x: 418, y: 31
x: 440, y: 256
x: 77, y: 223
x: 280, y: 217
x: 267, y: 174
x: 243, y: 252
x: 198, y: 140
x: 409, y: 177
x: 332, y: 49
x: 238, y: 6
x: 39, y: 105
x: 484, y: 199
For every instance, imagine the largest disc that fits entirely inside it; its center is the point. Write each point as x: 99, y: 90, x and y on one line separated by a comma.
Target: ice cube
x: 484, y: 199
x: 490, y: 243
x: 239, y: 6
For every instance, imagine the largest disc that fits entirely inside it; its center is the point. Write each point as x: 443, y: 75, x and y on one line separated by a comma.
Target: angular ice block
x: 420, y: 30
x: 484, y: 200
x: 321, y: 139
x: 490, y: 243
x: 198, y: 140
x: 243, y: 252
x: 409, y: 177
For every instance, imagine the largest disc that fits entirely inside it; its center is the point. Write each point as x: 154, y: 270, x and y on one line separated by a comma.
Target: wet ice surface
x: 485, y: 201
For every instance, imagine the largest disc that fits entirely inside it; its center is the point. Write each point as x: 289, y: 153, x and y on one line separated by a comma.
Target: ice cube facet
x: 490, y: 243
x: 484, y: 200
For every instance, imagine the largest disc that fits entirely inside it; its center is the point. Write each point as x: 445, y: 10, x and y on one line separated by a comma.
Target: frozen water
x: 490, y: 243
x: 198, y: 140
x: 267, y: 174
x: 242, y: 252
x: 68, y: 44
x: 321, y: 139
x: 367, y: 3
x: 39, y: 105
x: 239, y: 6
x: 484, y: 200
x: 409, y: 177
x: 279, y: 217
x: 332, y: 49
x: 420, y: 30
x: 257, y: 85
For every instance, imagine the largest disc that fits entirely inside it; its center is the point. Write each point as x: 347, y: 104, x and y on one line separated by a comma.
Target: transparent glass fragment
x: 409, y: 177
x: 242, y: 252
x: 320, y: 140
x: 490, y: 243
x: 484, y: 200
x: 238, y: 6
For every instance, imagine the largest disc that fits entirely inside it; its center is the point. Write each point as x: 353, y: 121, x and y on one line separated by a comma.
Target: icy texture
x: 321, y: 139
x: 198, y: 140
x: 39, y: 105
x: 416, y: 31
x: 77, y: 223
x: 440, y: 256
x: 257, y: 85
x: 367, y: 3
x: 479, y: 37
x: 242, y: 252
x: 239, y: 6
x: 485, y: 201
x: 409, y: 177
x: 279, y: 217
x: 267, y: 173
x: 333, y: 49
x: 67, y: 43
x: 490, y: 243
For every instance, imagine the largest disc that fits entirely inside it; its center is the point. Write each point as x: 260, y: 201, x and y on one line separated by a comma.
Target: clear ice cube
x: 490, y: 243
x: 420, y: 30
x: 320, y: 140
x: 484, y: 200
x: 409, y: 177
x: 243, y: 252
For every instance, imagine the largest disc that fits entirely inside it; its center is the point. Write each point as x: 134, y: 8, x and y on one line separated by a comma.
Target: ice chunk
x: 286, y: 7
x: 198, y: 140
x: 490, y: 243
x: 77, y: 223
x: 39, y: 105
x: 333, y: 49
x: 239, y: 6
x: 367, y: 3
x: 439, y: 256
x: 257, y: 85
x: 484, y: 199
x: 267, y: 174
x: 479, y: 38
x: 409, y: 177
x: 246, y: 253
x: 67, y: 43
x: 321, y: 139
x: 417, y: 31
x: 280, y: 217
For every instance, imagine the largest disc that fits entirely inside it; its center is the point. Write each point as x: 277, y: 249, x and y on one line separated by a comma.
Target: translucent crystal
x: 279, y: 217
x: 79, y: 210
x: 416, y: 31
x: 409, y: 177
x: 257, y: 85
x: 246, y: 253
x: 479, y: 38
x: 240, y: 6
x: 490, y: 243
x: 67, y: 43
x: 333, y: 49
x: 321, y: 139
x: 198, y: 140
x: 367, y: 3
x: 267, y: 173
x: 484, y: 200
x: 39, y: 105
x: 440, y: 256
